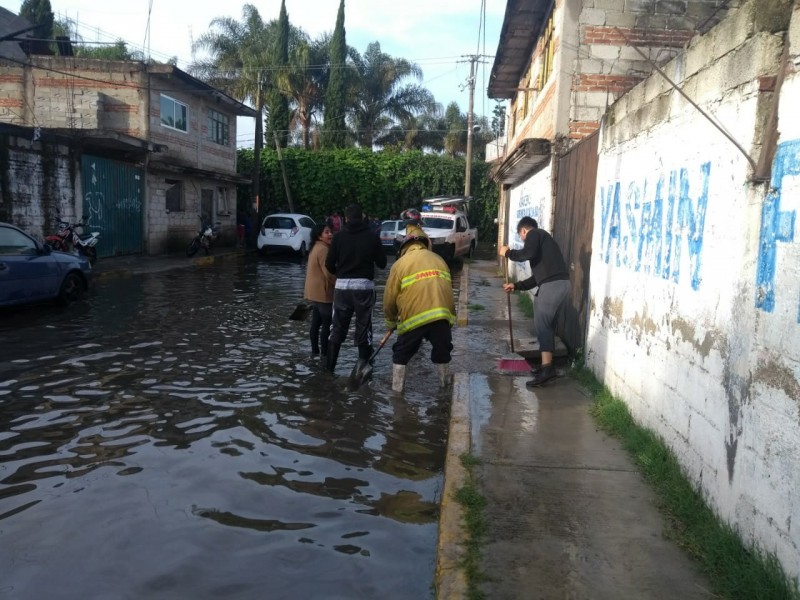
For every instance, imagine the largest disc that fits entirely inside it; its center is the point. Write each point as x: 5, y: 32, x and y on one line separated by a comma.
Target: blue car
x: 30, y: 272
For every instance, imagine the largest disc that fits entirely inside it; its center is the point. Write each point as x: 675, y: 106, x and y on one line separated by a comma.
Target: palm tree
x: 455, y: 140
x: 417, y: 132
x: 379, y: 97
x: 305, y: 79
x: 240, y: 53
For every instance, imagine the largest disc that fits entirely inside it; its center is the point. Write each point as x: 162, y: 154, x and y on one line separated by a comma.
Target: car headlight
x: 438, y: 240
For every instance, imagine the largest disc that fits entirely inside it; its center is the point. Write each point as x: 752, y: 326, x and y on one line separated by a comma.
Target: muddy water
x: 172, y: 438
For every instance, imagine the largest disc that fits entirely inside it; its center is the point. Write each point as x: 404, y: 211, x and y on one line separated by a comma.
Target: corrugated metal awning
x: 521, y: 28
x: 527, y: 158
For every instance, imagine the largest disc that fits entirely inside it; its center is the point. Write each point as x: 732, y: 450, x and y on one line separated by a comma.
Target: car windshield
x: 279, y: 223
x: 14, y: 242
x: 389, y: 226
x: 437, y: 222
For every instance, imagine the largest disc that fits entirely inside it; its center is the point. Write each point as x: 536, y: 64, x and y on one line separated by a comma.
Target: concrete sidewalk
x: 569, y: 516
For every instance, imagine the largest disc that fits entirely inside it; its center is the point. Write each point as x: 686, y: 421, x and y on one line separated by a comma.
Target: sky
x: 438, y: 35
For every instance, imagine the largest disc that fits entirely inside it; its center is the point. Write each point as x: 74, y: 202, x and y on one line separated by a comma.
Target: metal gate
x: 573, y: 224
x: 112, y: 204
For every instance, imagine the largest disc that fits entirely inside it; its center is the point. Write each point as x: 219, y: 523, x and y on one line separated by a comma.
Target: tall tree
x: 499, y: 119
x: 380, y: 96
x: 417, y: 132
x: 278, y: 103
x: 39, y: 12
x: 334, y: 132
x: 240, y: 55
x: 305, y: 80
x: 455, y: 140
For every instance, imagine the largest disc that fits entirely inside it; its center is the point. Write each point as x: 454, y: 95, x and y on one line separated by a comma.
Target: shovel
x: 363, y: 369
x: 301, y: 312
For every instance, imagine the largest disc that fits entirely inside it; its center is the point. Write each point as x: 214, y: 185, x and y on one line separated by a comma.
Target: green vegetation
x: 474, y: 504
x: 476, y: 307
x: 526, y: 304
x: 384, y: 183
x: 334, y: 132
x: 735, y: 571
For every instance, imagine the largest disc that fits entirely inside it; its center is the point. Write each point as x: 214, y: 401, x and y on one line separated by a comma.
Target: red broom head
x: 515, y: 365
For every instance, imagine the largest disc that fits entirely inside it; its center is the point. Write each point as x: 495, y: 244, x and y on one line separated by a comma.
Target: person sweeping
x: 548, y: 273
x: 418, y: 304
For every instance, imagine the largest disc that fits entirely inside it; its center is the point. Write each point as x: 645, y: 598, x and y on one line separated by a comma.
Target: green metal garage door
x: 113, y: 195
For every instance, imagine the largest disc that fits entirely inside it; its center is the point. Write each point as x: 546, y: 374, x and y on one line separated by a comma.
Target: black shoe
x: 545, y: 374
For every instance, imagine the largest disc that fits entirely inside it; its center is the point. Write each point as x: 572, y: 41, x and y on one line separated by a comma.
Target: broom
x: 508, y: 364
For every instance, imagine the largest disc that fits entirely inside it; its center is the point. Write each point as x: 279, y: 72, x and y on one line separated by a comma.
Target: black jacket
x: 355, y: 252
x: 544, y: 256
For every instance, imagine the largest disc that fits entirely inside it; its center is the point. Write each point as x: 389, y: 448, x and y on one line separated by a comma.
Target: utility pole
x: 470, y: 119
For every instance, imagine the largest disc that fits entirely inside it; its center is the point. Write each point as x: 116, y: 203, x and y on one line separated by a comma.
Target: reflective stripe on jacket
x: 418, y: 290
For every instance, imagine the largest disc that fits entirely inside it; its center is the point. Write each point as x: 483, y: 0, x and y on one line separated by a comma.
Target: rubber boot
x: 333, y: 356
x: 398, y: 378
x: 444, y: 377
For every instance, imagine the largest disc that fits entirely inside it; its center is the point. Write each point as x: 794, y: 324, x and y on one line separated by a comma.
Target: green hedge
x: 384, y: 183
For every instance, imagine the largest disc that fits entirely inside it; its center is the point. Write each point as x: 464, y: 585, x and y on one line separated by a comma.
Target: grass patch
x: 476, y: 307
x: 736, y: 572
x: 526, y: 304
x: 474, y: 505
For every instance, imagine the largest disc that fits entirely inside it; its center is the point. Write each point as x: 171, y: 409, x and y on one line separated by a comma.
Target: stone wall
x: 695, y: 273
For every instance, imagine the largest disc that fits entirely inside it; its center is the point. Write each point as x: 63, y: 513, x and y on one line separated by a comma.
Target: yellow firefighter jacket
x: 418, y: 290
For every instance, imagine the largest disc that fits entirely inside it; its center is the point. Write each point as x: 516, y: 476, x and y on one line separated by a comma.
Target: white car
x: 289, y: 231
x: 389, y: 232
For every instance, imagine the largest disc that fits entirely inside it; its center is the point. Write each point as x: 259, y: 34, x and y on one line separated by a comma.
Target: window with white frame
x: 217, y: 127
x: 173, y: 113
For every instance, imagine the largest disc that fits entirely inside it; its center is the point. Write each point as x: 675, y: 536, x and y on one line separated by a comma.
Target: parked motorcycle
x: 204, y: 239
x: 67, y: 239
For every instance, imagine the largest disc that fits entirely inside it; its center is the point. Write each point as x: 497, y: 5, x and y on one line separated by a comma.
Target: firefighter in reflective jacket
x: 418, y: 303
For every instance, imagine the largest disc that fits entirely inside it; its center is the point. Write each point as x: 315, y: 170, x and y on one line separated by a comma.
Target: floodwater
x: 171, y: 437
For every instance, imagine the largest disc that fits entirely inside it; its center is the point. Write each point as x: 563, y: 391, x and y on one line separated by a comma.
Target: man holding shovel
x: 418, y: 303
x: 550, y: 274
x: 353, y: 255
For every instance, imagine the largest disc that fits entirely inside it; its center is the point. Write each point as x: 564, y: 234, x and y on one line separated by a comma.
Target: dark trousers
x: 320, y: 331
x: 437, y: 333
x: 345, y: 303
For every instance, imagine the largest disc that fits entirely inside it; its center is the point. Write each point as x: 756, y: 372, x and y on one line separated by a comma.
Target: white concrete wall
x: 695, y: 279
x: 531, y: 198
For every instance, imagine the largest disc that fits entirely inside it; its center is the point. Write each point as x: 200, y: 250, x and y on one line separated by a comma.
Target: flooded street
x: 172, y: 437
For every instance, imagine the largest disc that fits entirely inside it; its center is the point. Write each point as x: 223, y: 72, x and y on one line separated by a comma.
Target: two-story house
x: 560, y: 64
x: 141, y: 150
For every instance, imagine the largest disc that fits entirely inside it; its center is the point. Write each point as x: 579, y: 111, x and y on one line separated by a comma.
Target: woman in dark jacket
x: 319, y: 290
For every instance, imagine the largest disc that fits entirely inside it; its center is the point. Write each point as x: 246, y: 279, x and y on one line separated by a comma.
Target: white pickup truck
x: 447, y: 227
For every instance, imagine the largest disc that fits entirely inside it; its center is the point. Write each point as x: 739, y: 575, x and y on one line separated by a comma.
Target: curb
x: 462, y: 311
x: 450, y: 580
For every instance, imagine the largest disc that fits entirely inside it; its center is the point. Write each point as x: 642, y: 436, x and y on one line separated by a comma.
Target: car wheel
x: 471, y: 252
x: 72, y: 289
x: 303, y: 251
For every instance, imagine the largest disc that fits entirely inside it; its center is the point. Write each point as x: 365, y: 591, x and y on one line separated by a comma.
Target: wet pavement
x: 171, y: 437
x: 568, y: 514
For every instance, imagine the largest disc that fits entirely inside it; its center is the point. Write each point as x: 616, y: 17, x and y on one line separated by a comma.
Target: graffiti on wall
x: 647, y: 225
x: 527, y: 207
x: 776, y: 225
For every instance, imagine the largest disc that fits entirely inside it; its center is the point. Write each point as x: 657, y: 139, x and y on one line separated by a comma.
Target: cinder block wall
x: 695, y: 273
x: 607, y: 63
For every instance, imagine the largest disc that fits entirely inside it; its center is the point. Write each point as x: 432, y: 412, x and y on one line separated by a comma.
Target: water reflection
x: 172, y: 438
